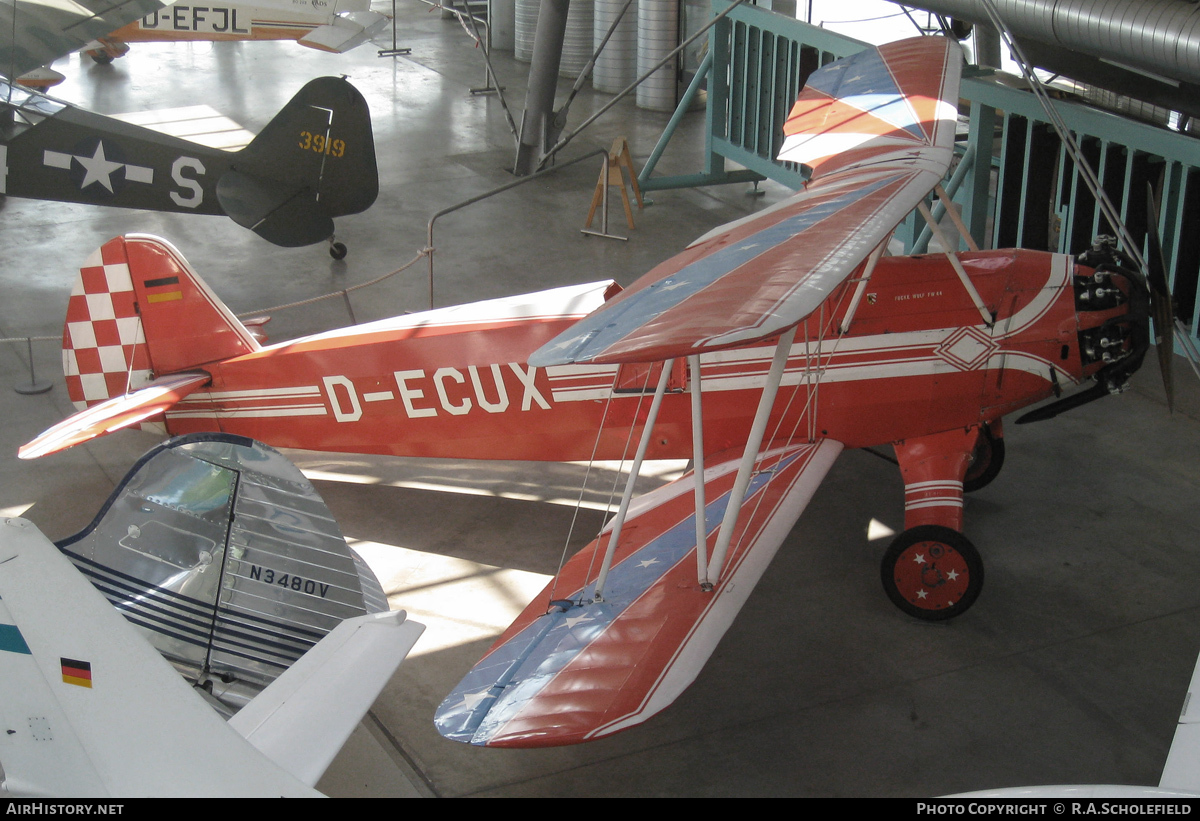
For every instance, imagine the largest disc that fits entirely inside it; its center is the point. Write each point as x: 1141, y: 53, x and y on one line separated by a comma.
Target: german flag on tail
x: 76, y: 672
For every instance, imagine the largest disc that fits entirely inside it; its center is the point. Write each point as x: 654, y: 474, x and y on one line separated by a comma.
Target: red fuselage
x: 917, y: 359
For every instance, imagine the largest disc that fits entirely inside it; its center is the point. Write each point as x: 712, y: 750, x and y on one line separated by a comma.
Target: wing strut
x: 623, y: 510
x: 862, y: 283
x: 698, y: 471
x: 988, y: 319
x: 750, y: 454
x: 952, y: 213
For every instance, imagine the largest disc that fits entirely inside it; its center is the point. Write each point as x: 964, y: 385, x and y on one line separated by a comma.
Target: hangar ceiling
x: 1148, y: 49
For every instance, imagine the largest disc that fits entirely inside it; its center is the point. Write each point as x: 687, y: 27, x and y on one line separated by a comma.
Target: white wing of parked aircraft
x: 90, y: 709
x: 1180, y: 775
x: 41, y: 32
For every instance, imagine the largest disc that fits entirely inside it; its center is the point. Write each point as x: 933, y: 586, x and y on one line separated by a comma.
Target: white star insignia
x: 952, y: 575
x: 921, y: 594
x: 647, y: 562
x: 574, y: 620
x: 471, y: 700
x: 99, y: 168
x: 919, y: 558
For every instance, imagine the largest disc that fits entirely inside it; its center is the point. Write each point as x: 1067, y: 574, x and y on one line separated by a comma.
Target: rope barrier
x: 344, y: 292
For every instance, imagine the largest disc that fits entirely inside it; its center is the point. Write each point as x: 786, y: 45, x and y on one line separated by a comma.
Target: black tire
x: 932, y: 572
x: 337, y: 250
x: 986, y: 461
x: 101, y: 57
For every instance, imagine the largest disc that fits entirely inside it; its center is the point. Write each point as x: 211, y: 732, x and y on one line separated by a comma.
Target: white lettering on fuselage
x: 340, y: 412
x: 197, y: 196
x: 447, y: 391
x: 924, y: 295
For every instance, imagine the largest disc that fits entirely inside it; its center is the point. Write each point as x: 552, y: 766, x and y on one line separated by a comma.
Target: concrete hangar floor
x: 1071, y: 668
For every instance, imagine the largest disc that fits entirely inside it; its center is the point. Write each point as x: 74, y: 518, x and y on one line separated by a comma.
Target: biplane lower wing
x: 573, y: 669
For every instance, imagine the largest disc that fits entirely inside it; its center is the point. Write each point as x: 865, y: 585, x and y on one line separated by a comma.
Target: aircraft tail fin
x: 314, y: 161
x: 139, y: 311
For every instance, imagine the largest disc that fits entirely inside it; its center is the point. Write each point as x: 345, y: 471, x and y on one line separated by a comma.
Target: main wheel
x: 337, y: 250
x: 986, y: 461
x: 101, y: 57
x: 932, y: 572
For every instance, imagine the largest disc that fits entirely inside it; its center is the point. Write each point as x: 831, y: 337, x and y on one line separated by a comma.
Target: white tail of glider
x: 90, y: 709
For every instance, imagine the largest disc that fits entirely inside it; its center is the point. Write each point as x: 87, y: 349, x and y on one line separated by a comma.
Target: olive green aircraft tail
x: 314, y: 161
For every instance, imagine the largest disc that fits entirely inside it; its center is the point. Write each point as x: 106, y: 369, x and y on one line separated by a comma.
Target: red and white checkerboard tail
x: 138, y: 311
x: 104, y: 345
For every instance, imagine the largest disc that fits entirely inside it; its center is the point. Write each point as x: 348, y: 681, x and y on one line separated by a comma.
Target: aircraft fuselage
x: 918, y: 359
x: 54, y: 151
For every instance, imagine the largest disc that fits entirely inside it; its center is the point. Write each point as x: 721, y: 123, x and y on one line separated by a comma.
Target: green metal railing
x: 1015, y: 182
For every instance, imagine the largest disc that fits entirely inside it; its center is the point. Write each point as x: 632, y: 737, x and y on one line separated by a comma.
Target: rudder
x: 138, y: 311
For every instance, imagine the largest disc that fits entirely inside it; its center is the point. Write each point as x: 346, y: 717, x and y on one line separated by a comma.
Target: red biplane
x: 760, y: 352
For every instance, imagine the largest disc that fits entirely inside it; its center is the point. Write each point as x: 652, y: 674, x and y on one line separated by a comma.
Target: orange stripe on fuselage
x: 133, y: 33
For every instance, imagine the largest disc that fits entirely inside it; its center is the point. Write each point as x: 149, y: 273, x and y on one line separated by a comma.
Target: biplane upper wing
x: 573, y: 668
x: 877, y: 129
x: 36, y: 34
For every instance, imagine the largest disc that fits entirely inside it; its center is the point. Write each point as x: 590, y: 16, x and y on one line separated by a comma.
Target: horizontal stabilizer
x: 91, y: 709
x: 282, y: 213
x: 305, y: 716
x: 227, y: 559
x: 114, y: 414
x: 347, y: 31
x: 577, y: 669
x: 757, y: 277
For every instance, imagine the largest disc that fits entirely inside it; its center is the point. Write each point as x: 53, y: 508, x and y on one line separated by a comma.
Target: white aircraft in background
x: 90, y: 709
x: 327, y: 25
x: 37, y: 33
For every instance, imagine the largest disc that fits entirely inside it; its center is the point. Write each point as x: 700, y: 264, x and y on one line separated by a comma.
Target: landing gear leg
x: 931, y: 571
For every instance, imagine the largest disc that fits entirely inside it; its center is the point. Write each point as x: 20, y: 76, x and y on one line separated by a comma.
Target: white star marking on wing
x: 471, y: 700
x: 574, y: 620
x: 671, y: 285
x: 647, y: 562
x: 99, y: 168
